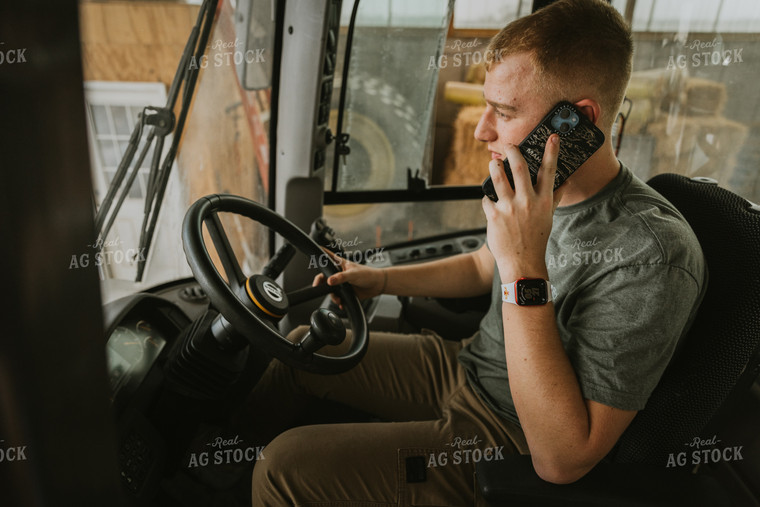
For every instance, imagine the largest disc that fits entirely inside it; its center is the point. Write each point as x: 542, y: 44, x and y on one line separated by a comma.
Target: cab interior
x: 175, y: 170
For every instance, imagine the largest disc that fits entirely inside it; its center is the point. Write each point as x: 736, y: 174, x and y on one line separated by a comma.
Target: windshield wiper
x: 341, y: 145
x: 161, y: 122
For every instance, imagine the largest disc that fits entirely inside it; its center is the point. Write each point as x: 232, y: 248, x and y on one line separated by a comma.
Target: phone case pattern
x: 576, y: 146
x: 579, y: 144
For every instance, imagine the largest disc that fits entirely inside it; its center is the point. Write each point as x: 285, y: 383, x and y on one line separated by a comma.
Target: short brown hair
x: 575, y: 46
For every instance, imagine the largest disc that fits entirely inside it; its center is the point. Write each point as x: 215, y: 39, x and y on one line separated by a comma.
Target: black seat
x: 718, y: 362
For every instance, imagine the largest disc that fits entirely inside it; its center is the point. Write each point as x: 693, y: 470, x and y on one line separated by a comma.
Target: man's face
x: 513, y: 104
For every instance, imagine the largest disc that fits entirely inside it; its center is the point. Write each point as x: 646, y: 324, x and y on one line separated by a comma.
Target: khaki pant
x: 425, y: 456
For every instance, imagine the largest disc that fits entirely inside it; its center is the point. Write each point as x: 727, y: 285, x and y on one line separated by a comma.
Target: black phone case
x: 576, y: 145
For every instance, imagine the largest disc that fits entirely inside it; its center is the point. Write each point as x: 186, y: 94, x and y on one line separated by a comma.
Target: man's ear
x: 591, y: 109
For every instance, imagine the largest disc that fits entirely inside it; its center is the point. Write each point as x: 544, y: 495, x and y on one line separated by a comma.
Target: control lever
x: 278, y: 262
x: 326, y: 329
x: 324, y: 236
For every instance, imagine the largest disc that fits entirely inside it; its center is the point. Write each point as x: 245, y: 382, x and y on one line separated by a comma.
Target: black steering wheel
x: 253, y: 305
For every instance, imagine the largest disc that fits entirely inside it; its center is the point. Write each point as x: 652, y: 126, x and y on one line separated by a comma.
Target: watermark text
x: 463, y: 453
x: 704, y: 451
x: 226, y: 57
x: 107, y: 253
x: 11, y: 56
x: 11, y: 454
x: 226, y: 451
x: 705, y: 54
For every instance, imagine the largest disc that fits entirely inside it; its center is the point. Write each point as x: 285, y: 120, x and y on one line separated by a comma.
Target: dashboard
x: 131, y: 350
x: 141, y: 330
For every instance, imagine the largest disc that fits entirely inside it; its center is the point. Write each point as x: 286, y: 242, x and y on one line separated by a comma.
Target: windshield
x: 390, y: 94
x: 224, y: 147
x: 413, y: 95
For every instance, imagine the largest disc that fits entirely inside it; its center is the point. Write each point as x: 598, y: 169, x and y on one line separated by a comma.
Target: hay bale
x: 651, y: 92
x: 646, y: 84
x: 467, y: 163
x: 697, y: 146
x: 673, y: 137
x: 704, y: 97
x: 677, y: 136
x: 470, y: 94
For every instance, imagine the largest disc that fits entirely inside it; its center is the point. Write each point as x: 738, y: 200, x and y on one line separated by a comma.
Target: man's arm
x: 567, y: 435
x: 463, y: 275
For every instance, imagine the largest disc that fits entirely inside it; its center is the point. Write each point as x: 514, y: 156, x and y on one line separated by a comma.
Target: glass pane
x: 109, y: 153
x: 108, y: 176
x: 367, y: 226
x: 642, y: 13
x: 225, y: 144
x: 100, y: 119
x: 255, y: 27
x: 739, y: 16
x: 420, y: 13
x: 120, y: 122
x: 122, y: 148
x: 694, y: 16
x: 133, y: 113
x: 391, y: 92
x: 488, y: 13
x: 619, y: 5
x: 148, y: 160
x: 138, y: 187
x: 695, y: 100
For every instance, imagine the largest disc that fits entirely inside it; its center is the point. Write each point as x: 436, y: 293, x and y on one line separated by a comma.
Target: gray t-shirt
x: 629, y: 275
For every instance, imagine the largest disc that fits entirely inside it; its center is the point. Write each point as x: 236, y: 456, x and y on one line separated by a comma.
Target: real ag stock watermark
x: 226, y: 452
x: 9, y: 454
x: 228, y: 53
x: 584, y: 251
x: 107, y: 253
x: 356, y: 255
x: 462, y: 452
x: 704, y: 451
x: 705, y: 54
x: 465, y: 53
x: 11, y: 56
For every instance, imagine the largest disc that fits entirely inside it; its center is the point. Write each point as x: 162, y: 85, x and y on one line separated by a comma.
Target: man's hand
x: 367, y: 282
x: 520, y: 222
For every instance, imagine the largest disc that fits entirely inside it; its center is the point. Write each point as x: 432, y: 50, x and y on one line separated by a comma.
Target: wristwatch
x: 527, y: 292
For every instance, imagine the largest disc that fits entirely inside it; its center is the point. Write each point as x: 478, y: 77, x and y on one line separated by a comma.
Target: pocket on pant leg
x: 430, y: 477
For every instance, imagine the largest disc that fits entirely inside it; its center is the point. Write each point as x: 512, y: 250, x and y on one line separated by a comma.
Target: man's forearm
x: 567, y: 434
x: 457, y: 276
x: 545, y: 390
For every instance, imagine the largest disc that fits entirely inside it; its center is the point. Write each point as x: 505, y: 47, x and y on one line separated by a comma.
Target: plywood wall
x: 134, y: 41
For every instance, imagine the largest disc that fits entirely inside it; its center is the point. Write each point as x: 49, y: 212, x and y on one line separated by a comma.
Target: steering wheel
x: 253, y: 305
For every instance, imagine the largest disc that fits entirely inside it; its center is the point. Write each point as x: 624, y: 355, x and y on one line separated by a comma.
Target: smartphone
x: 579, y: 139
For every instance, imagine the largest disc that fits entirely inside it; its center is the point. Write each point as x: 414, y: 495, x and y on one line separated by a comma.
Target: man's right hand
x: 366, y: 281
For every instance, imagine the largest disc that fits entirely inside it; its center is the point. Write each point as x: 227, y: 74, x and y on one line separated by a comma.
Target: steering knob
x: 326, y: 329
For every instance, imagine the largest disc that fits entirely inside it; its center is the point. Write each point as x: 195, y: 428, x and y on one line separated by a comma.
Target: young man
x: 560, y: 380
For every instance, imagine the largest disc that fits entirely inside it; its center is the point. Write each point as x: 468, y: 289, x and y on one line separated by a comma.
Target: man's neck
x: 595, y: 174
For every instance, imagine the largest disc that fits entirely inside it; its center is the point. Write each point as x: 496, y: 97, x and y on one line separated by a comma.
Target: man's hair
x: 577, y: 47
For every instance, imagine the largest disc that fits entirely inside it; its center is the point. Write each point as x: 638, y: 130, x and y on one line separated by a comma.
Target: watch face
x: 531, y: 291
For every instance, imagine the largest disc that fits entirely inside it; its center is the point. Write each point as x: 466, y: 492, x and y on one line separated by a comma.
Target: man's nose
x: 484, y: 131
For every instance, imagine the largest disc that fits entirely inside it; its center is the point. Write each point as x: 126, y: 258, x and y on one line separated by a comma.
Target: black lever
x: 278, y: 262
x: 326, y: 329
